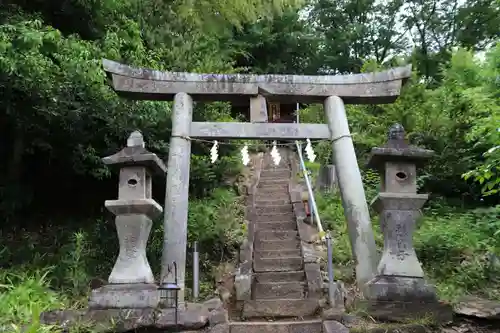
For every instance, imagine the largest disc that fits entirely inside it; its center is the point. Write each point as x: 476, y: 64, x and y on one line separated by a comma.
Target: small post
x: 196, y: 272
x: 352, y: 192
x: 331, y: 277
x: 131, y: 282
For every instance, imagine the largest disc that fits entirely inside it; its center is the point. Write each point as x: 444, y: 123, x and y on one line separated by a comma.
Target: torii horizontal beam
x: 365, y: 88
x: 264, y: 131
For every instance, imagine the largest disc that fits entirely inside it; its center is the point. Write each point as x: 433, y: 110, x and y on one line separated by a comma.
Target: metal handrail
x: 312, y: 201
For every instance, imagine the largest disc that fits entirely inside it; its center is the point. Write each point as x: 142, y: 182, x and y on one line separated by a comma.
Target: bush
x: 68, y: 257
x: 459, y: 250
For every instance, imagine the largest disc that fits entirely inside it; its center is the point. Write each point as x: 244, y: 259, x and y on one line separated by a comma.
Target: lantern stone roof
x: 136, y: 154
x: 397, y: 149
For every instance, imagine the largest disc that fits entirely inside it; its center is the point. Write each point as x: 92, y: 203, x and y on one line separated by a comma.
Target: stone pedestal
x: 399, y: 290
x: 131, y: 282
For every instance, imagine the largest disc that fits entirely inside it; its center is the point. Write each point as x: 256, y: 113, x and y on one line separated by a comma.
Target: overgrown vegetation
x: 58, y: 117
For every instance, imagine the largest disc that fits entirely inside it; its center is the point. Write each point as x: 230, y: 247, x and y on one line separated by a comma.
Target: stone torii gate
x: 332, y: 91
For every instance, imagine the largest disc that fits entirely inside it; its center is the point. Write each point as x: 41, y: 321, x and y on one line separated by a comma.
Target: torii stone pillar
x: 352, y: 191
x: 363, y: 88
x: 177, y: 193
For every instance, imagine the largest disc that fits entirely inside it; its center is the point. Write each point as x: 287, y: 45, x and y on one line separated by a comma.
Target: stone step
x: 275, y: 180
x: 276, y: 308
x: 304, y: 326
x: 289, y: 217
x: 276, y: 235
x: 280, y: 226
x: 272, y: 202
x: 291, y: 276
x: 274, y: 169
x: 278, y: 264
x: 274, y: 209
x: 272, y: 197
x: 274, y: 245
x: 272, y: 188
x: 273, y: 290
x: 277, y: 254
x: 271, y: 194
x: 269, y: 185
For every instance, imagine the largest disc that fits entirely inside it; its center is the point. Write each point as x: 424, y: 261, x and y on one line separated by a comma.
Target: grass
x: 50, y: 268
x: 456, y: 247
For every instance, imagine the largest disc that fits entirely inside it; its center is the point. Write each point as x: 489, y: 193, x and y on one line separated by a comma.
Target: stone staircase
x: 280, y: 301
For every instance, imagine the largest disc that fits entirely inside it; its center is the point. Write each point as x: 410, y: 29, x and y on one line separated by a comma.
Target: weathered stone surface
x: 398, y: 311
x: 135, y: 154
x: 352, y: 192
x: 308, y: 233
x: 220, y: 328
x: 272, y: 202
x: 314, y: 280
x: 278, y: 264
x: 280, y: 276
x: 334, y: 313
x: 122, y: 320
x: 258, y: 109
x: 478, y: 307
x: 327, y: 178
x: 331, y: 326
x: 147, y: 207
x: 273, y: 209
x: 213, y: 303
x: 400, y: 276
x: 218, y: 316
x: 243, y: 286
x: 275, y: 218
x: 264, y: 131
x: 274, y: 173
x: 280, y: 308
x: 177, y: 193
x: 132, y: 264
x: 271, y: 235
x: 281, y: 289
x: 305, y: 326
x: 134, y: 210
x: 276, y: 245
x: 399, y: 257
x: 396, y: 288
x: 125, y: 296
x: 140, y: 83
x: 279, y: 253
x: 194, y: 316
x: 277, y: 226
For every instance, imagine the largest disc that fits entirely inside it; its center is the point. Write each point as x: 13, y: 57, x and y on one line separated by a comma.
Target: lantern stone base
x: 191, y: 317
x: 397, y: 288
x: 396, y: 298
x: 125, y: 296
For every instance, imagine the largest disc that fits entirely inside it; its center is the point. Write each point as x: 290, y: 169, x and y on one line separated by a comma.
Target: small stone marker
x: 131, y: 283
x: 326, y: 180
x: 400, y: 278
x: 258, y: 109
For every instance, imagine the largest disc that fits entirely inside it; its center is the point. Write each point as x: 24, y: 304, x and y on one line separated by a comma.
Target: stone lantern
x: 131, y: 283
x: 400, y: 277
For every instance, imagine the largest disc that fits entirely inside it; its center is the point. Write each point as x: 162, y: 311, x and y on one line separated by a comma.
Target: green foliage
x: 456, y: 249
x: 460, y: 250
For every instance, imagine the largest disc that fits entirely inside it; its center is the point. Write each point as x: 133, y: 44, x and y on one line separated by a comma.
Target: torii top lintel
x: 365, y: 88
